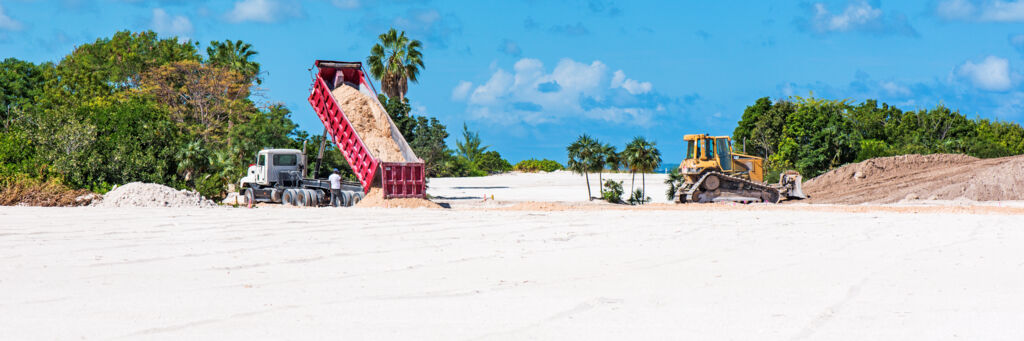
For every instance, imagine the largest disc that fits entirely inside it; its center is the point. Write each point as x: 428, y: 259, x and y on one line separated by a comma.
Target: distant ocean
x: 666, y: 167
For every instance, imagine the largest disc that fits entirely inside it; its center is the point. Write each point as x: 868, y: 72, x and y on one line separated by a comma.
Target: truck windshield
x: 285, y: 160
x: 689, y: 150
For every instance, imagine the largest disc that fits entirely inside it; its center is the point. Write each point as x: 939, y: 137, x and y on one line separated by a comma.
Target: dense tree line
x: 135, y: 107
x: 815, y: 135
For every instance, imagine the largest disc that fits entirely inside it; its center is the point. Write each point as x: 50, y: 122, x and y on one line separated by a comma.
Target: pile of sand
x: 138, y: 194
x: 370, y: 122
x: 376, y: 199
x: 912, y: 177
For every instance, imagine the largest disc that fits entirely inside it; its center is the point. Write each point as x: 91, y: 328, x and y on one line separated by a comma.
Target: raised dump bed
x: 401, y: 173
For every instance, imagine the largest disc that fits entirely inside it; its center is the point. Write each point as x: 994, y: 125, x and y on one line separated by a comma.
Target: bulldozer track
x: 692, y: 191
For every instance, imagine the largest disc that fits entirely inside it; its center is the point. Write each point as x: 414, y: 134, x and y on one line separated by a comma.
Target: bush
x: 491, y: 162
x: 612, y: 191
x: 534, y: 165
x: 637, y: 198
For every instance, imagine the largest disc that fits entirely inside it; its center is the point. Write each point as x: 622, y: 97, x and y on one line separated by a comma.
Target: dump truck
x: 279, y: 175
x: 713, y: 172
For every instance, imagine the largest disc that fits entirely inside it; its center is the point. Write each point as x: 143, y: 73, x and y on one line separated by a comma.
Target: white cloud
x: 169, y: 25
x: 895, y: 89
x: 8, y: 23
x: 975, y: 10
x: 858, y: 16
x: 532, y: 94
x: 992, y: 74
x: 264, y: 11
x: 619, y: 80
x: 461, y: 91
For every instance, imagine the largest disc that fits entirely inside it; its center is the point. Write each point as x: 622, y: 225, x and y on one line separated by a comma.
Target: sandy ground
x: 561, y: 186
x: 760, y: 272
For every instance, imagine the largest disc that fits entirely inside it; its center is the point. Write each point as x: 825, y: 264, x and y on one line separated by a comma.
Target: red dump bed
x: 397, y: 179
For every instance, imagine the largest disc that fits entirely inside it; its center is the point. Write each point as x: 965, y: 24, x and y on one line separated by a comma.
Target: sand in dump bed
x: 370, y: 122
x: 376, y: 199
x: 138, y: 194
x: 912, y: 177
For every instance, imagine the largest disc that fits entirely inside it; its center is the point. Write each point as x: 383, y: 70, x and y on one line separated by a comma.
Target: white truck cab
x: 269, y: 165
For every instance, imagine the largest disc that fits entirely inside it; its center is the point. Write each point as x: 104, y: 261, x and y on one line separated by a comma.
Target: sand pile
x: 370, y: 122
x: 138, y: 194
x: 376, y: 199
x: 912, y: 177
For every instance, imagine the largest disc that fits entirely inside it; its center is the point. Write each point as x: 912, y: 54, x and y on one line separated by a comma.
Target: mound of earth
x: 375, y: 198
x: 139, y: 194
x: 912, y: 177
x: 369, y: 121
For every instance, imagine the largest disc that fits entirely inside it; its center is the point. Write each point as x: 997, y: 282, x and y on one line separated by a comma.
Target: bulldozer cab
x: 715, y: 153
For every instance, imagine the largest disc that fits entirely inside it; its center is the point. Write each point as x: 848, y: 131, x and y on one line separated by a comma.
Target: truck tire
x: 356, y: 198
x: 250, y: 198
x: 288, y: 198
x: 300, y: 198
x: 345, y: 199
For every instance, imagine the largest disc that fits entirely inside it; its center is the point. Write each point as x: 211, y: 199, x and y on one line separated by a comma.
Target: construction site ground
x: 539, y: 261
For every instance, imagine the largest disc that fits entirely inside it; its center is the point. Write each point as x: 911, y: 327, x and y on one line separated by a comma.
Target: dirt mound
x: 912, y: 177
x: 376, y: 199
x: 29, y: 192
x: 138, y: 194
x: 370, y: 122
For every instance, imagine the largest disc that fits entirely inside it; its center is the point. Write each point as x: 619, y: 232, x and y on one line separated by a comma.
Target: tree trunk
x: 632, y: 180
x: 600, y: 183
x: 587, y: 175
x: 643, y: 184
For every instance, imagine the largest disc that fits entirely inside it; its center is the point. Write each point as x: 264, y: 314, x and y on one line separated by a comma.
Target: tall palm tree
x: 650, y: 158
x: 630, y: 157
x: 582, y: 158
x: 235, y: 55
x: 609, y: 159
x: 395, y: 60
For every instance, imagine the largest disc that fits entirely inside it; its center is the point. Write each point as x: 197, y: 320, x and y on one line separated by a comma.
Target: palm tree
x: 582, y: 158
x: 235, y: 55
x: 630, y: 157
x: 192, y: 159
x: 608, y: 158
x: 395, y: 60
x: 674, y: 181
x: 650, y: 158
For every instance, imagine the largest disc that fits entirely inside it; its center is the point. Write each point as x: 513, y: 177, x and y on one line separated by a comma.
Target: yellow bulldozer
x: 712, y: 172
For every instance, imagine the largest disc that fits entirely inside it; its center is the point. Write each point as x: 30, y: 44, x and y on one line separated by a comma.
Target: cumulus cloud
x: 976, y: 10
x: 461, y: 90
x: 619, y: 80
x: 8, y: 23
x: 264, y: 11
x: 170, y: 25
x: 532, y: 94
x: 992, y: 74
x: 858, y: 16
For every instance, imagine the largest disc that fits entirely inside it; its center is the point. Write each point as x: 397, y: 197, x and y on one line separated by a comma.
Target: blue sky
x: 532, y: 75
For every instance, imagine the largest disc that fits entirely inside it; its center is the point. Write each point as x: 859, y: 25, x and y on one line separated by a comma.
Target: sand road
x: 357, y: 274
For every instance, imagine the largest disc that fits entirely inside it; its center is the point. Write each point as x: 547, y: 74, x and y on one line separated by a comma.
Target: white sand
x: 414, y: 274
x: 560, y: 186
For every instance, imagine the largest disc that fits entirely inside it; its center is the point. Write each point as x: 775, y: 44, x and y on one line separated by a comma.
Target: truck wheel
x: 250, y: 198
x: 356, y: 198
x: 300, y: 198
x: 287, y: 197
x: 310, y: 197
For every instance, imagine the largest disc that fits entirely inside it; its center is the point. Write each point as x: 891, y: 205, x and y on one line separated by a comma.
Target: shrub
x: 534, y: 165
x: 612, y: 191
x: 491, y: 162
x: 637, y: 198
x: 28, y: 191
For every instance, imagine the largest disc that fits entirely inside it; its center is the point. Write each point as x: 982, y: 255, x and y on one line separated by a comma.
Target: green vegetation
x: 815, y: 135
x: 674, y: 181
x: 136, y: 107
x: 641, y: 156
x: 534, y: 165
x: 395, y: 60
x: 612, y: 191
x: 587, y: 155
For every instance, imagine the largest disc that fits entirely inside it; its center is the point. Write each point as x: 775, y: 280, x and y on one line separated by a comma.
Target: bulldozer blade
x: 796, y: 191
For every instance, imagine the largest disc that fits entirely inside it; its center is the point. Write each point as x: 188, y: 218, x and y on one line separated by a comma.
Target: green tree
x: 470, y: 147
x: 236, y: 56
x: 491, y: 162
x: 583, y: 156
x: 395, y: 60
x: 648, y: 158
x: 674, y: 181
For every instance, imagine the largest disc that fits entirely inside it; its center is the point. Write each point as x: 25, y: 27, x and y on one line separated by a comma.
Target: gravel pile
x: 138, y: 194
